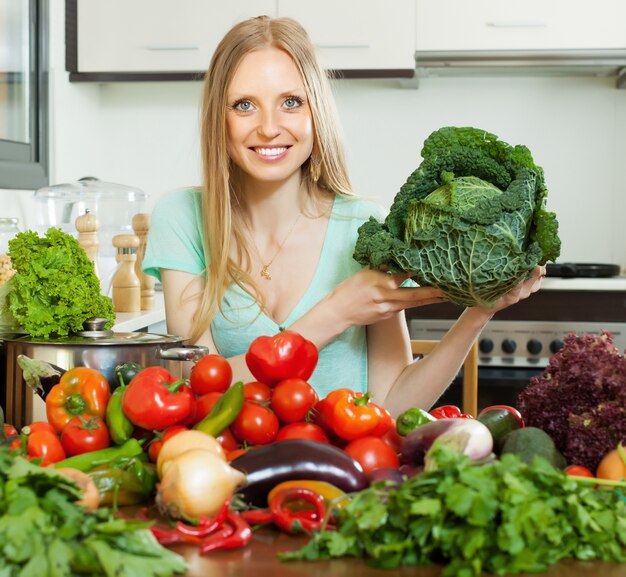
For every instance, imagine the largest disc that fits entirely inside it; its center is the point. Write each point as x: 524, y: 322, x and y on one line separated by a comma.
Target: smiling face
x: 268, y: 119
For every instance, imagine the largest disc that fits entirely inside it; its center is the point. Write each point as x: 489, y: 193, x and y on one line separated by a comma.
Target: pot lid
x: 107, y: 339
x: 90, y: 187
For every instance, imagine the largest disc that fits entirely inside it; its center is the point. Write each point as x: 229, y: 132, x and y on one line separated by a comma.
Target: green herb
x: 505, y: 517
x: 42, y: 531
x: 55, y: 288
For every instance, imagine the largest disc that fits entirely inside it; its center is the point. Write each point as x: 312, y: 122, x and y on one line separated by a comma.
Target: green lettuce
x: 470, y: 220
x: 55, y: 288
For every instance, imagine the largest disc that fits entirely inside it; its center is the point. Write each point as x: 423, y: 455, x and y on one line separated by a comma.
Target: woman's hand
x: 369, y: 296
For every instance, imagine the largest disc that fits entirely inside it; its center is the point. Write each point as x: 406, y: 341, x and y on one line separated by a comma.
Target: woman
x: 267, y: 242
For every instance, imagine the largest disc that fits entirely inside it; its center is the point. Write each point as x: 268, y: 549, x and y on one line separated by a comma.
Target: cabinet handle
x: 343, y: 46
x: 172, y: 47
x: 517, y: 24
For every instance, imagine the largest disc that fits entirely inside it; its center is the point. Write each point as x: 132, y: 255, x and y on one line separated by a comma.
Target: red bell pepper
x: 287, y: 355
x: 355, y: 416
x: 81, y: 392
x: 155, y: 399
x: 449, y: 412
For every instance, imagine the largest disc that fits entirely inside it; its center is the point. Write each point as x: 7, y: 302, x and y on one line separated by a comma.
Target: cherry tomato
x: 10, y: 431
x: 255, y: 424
x: 82, y: 435
x: 255, y: 391
x: 212, y: 373
x: 508, y: 408
x: 292, y: 399
x: 578, y: 471
x: 372, y: 453
x: 204, y: 405
x: 302, y: 430
x: 46, y: 446
x: 227, y: 440
x: 155, y: 446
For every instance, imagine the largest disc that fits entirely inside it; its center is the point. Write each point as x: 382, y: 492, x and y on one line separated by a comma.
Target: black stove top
x: 582, y: 270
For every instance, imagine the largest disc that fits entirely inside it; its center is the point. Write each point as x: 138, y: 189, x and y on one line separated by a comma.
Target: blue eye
x: 293, y: 102
x: 243, y: 105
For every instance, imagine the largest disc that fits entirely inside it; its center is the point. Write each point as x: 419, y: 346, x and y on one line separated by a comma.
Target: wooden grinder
x: 87, y: 226
x: 125, y: 282
x: 141, y: 226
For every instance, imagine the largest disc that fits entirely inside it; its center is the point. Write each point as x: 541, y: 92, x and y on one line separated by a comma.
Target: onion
x: 91, y: 496
x: 185, y: 441
x: 196, y: 484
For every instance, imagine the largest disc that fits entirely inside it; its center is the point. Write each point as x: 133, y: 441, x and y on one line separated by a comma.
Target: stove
x: 519, y: 341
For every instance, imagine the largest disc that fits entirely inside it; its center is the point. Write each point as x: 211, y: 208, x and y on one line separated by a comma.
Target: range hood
x: 590, y: 62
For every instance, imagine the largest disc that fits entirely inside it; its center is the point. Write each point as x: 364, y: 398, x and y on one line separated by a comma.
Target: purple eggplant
x: 293, y: 459
x: 467, y: 436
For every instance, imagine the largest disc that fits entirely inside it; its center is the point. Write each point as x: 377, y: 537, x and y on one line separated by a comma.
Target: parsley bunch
x: 42, y: 532
x: 505, y: 517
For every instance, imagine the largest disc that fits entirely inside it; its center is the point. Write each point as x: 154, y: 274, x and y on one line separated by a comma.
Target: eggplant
x: 39, y: 375
x: 467, y: 436
x: 296, y: 459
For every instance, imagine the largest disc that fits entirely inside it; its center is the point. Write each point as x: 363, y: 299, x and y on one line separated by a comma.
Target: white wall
x: 146, y: 135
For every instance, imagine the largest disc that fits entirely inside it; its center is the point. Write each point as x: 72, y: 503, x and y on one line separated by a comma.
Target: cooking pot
x: 99, y: 350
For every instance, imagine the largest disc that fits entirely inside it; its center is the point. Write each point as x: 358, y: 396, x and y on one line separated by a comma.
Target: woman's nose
x: 268, y: 124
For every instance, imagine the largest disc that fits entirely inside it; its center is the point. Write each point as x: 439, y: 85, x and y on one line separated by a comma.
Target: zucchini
x: 500, y: 423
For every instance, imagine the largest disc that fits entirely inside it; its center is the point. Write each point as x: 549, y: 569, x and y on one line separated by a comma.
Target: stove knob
x: 509, y: 346
x: 534, y: 346
x: 485, y: 345
x: 556, y: 345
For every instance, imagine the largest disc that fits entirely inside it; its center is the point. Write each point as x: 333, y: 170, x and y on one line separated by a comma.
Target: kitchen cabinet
x: 359, y: 35
x: 458, y: 25
x: 135, y: 37
x: 110, y: 40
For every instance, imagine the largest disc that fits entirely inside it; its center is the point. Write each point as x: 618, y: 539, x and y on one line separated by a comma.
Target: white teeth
x: 271, y: 151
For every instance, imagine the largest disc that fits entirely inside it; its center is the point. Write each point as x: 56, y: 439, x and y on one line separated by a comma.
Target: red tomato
x: 204, y: 405
x: 156, y: 445
x: 578, y: 471
x: 10, y: 431
x: 46, y: 446
x: 212, y: 373
x: 292, y: 399
x: 302, y: 430
x: 255, y: 424
x: 82, y: 435
x: 255, y: 391
x: 41, y: 426
x: 227, y: 440
x: 508, y: 408
x: 372, y: 453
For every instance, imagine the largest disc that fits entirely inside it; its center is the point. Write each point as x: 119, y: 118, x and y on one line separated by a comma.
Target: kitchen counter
x: 152, y: 321
x: 259, y: 558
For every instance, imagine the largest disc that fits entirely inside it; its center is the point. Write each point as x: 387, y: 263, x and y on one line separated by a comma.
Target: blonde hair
x: 221, y: 194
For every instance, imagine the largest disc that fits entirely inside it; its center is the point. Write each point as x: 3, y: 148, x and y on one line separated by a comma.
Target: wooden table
x: 259, y: 560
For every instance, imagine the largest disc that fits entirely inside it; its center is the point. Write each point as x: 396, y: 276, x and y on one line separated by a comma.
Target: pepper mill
x: 87, y: 226
x: 141, y: 225
x: 125, y: 282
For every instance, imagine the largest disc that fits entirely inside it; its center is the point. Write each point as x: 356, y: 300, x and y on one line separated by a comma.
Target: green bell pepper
x: 411, y: 419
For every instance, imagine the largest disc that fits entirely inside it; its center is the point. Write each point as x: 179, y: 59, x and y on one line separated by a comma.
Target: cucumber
x: 530, y: 442
x: 500, y: 423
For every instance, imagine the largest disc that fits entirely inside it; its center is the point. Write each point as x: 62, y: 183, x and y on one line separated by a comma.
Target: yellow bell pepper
x: 333, y: 496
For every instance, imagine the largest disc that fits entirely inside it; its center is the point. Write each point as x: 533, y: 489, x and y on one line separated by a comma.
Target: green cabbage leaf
x: 470, y: 220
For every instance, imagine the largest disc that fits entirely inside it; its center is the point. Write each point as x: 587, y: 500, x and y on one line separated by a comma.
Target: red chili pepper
x: 287, y: 355
x: 235, y: 533
x: 258, y: 516
x: 354, y: 416
x: 449, y: 412
x: 155, y: 399
x: 173, y: 536
x: 206, y: 525
x: 285, y: 519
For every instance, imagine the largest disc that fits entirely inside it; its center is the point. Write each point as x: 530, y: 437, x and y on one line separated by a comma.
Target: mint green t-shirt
x: 175, y: 242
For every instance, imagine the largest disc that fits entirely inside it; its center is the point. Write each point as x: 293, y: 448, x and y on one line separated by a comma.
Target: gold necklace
x: 265, y: 267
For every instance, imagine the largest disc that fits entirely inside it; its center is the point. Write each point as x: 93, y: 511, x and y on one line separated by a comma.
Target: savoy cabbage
x: 470, y: 220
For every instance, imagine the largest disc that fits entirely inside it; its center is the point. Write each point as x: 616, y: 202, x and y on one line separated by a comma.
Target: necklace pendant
x: 265, y: 272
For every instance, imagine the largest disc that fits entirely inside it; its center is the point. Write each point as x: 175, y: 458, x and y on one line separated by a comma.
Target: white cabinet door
x: 156, y: 35
x: 358, y: 34
x: 445, y: 25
